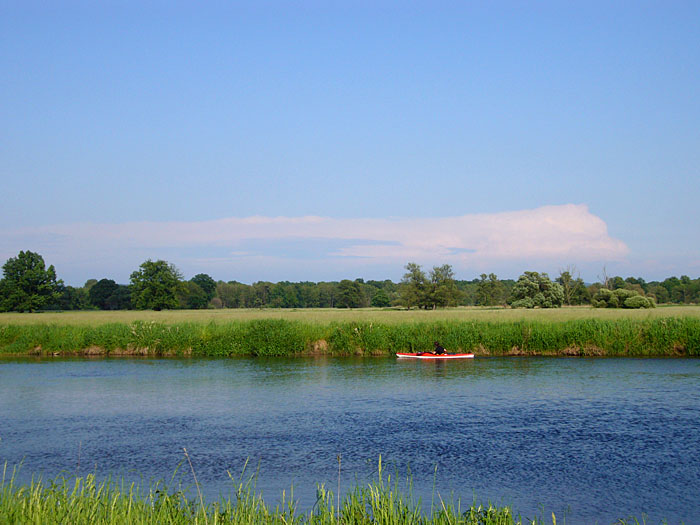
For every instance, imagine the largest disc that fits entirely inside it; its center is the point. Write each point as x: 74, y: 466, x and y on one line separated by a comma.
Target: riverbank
x: 84, y: 500
x: 616, y: 337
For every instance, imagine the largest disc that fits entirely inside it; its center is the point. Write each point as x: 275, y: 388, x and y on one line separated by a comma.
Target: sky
x: 325, y: 140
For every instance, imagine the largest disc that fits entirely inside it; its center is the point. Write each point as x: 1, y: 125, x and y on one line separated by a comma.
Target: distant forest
x: 28, y: 285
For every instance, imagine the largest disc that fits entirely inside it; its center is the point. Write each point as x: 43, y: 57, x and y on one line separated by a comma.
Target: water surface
x: 590, y: 439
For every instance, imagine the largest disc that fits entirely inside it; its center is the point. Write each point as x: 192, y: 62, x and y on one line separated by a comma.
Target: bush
x: 535, y: 289
x: 603, y: 299
x: 638, y: 301
x: 620, y: 298
x: 527, y: 302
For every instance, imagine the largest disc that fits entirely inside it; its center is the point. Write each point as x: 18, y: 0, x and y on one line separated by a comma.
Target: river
x: 592, y: 440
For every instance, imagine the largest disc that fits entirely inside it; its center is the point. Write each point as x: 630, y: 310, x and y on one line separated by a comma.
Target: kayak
x: 428, y: 355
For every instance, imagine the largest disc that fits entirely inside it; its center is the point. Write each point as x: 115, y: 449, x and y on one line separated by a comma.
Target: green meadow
x: 329, y: 315
x: 574, y: 331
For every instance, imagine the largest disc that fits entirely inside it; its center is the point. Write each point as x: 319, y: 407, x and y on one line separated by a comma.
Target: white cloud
x: 565, y: 233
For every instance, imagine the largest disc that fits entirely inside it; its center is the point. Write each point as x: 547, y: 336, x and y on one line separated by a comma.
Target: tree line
x: 28, y: 285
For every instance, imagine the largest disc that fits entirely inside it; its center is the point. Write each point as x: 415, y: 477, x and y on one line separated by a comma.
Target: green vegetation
x: 84, y: 500
x: 536, y: 290
x: 349, y: 294
x: 437, y: 290
x: 621, y: 298
x: 155, y: 285
x: 613, y: 336
x: 28, y: 286
x: 108, y: 295
x: 330, y: 315
x: 574, y: 289
x: 490, y: 291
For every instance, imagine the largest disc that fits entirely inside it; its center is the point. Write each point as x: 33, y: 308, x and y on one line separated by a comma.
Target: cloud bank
x: 558, y: 233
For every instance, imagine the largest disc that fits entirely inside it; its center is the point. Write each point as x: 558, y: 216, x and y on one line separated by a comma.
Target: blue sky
x: 330, y: 140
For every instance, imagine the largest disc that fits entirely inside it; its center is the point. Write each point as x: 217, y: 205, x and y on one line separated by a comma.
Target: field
x: 665, y: 331
x: 330, y: 315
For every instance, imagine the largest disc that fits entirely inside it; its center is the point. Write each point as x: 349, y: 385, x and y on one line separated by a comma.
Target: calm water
x: 592, y: 439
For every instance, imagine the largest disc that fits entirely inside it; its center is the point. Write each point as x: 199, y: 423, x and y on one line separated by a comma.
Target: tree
x: 443, y: 289
x: 191, y: 295
x: 617, y: 282
x: 27, y: 284
x: 101, y: 291
x: 381, y: 299
x: 489, y: 290
x: 573, y: 287
x: 154, y: 286
x: 327, y: 293
x: 658, y: 293
x: 233, y: 294
x: 71, y: 299
x: 413, y: 286
x: 605, y: 280
x: 206, y: 283
x: 536, y: 290
x: 349, y: 294
x: 120, y: 299
x: 261, y: 294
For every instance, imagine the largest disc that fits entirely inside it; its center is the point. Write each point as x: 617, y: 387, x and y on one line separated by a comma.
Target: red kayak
x: 428, y: 355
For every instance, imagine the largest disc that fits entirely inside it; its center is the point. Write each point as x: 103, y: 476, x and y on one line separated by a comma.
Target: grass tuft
x: 84, y: 500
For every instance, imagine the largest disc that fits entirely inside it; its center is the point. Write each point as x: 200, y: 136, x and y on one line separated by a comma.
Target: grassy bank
x: 654, y: 336
x: 84, y: 500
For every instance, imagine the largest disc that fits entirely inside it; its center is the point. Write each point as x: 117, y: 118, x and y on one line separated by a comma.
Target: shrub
x: 638, y: 301
x: 602, y: 298
x: 535, y: 289
x: 526, y: 302
x: 620, y: 298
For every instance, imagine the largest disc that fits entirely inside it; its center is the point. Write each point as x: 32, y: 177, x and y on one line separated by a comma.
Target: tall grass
x: 84, y: 500
x: 672, y: 336
x: 343, y: 315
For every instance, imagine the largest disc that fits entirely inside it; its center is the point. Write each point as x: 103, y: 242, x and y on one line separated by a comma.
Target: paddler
x: 438, y: 350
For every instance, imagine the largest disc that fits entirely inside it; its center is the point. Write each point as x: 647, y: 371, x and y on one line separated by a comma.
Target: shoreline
x: 652, y: 337
x: 88, y: 500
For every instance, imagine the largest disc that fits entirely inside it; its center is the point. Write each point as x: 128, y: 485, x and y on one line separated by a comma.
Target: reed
x: 635, y: 337
x: 84, y: 500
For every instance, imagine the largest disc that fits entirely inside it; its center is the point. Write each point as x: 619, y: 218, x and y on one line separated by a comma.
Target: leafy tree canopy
x: 440, y: 289
x: 443, y: 289
x: 489, y: 290
x: 536, y: 290
x: 191, y: 296
x: 27, y: 284
x: 154, y: 286
x: 101, y: 291
x: 413, y: 287
x: 349, y: 294
x: 206, y: 283
x: 108, y: 295
x: 120, y: 299
x: 381, y: 299
x: 72, y: 299
x: 621, y: 298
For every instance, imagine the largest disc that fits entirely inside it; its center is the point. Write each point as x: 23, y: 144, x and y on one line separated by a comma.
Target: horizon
x: 271, y: 142
x: 427, y: 270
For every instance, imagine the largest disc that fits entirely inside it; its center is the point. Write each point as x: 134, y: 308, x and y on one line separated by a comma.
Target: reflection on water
x: 597, y: 439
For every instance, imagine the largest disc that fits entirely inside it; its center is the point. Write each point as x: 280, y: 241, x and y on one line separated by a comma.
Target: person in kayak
x: 438, y: 350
